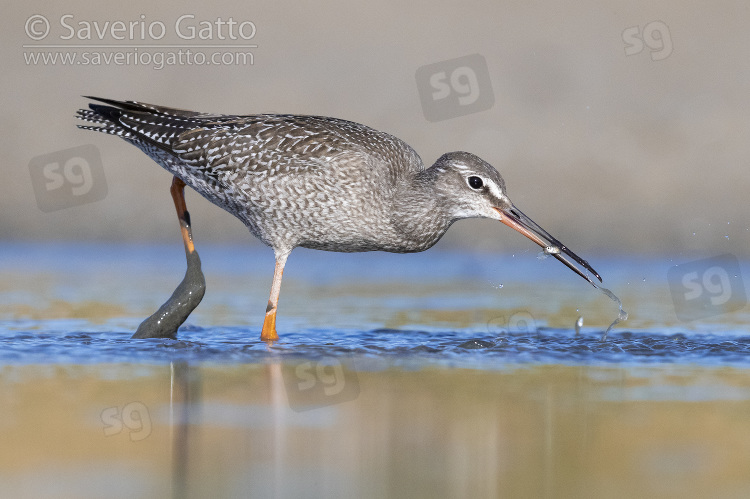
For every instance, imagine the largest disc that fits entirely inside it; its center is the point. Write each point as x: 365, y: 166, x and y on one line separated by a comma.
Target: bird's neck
x: 419, y: 214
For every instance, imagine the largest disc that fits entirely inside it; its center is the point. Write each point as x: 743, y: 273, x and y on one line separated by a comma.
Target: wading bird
x: 315, y: 182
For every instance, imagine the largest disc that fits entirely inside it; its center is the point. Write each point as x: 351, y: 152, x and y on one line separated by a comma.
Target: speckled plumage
x: 317, y: 182
x: 309, y: 181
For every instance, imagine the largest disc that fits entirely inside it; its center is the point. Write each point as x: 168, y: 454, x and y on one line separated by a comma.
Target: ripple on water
x: 392, y: 346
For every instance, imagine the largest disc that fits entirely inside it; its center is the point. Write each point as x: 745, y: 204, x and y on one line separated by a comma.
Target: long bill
x: 515, y: 219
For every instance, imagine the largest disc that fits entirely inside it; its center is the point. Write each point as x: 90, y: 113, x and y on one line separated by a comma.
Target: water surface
x: 434, y: 374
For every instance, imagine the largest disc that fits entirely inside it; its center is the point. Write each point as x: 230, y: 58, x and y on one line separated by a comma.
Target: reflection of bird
x: 317, y: 182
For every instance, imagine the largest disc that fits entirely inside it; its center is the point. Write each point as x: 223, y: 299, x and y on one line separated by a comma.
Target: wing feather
x: 225, y: 146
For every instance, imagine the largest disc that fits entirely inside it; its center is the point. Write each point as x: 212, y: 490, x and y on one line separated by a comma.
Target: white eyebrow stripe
x: 494, y: 189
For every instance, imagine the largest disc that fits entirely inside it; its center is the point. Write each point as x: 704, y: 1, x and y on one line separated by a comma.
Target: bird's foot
x: 268, y: 333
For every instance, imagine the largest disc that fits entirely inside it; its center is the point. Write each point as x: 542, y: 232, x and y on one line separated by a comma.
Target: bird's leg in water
x: 268, y: 333
x: 187, y: 296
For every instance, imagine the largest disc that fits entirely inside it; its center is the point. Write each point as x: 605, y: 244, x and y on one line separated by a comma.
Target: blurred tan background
x: 637, y: 154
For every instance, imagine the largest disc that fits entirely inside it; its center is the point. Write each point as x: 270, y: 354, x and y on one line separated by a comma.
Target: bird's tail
x: 140, y: 122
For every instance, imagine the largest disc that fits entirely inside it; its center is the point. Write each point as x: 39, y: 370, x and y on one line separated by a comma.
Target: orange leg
x: 178, y: 196
x: 165, y: 321
x: 269, y: 323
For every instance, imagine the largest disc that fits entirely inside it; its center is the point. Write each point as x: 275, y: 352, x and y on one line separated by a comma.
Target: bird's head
x: 472, y: 188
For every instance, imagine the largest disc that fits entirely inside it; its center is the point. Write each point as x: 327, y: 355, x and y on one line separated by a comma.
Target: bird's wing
x: 218, y: 146
x: 262, y: 145
x: 276, y: 145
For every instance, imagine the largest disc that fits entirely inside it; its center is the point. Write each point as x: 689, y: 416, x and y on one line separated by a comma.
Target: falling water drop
x: 622, y: 316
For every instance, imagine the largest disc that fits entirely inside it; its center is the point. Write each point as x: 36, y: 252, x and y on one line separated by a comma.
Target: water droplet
x: 499, y: 286
x: 579, y: 324
x: 727, y: 236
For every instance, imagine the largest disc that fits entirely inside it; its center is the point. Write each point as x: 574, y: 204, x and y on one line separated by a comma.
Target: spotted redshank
x: 317, y: 182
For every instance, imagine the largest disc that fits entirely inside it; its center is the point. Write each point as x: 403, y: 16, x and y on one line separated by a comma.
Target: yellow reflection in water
x: 528, y: 431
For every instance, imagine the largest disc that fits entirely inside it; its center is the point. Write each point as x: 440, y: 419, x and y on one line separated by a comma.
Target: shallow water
x: 127, y: 430
x: 396, y: 375
x: 81, y: 303
x: 379, y: 347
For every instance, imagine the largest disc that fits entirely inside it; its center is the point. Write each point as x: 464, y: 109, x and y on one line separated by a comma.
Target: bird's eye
x: 475, y: 182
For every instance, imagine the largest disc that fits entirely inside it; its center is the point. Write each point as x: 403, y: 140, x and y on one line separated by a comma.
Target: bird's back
x: 294, y: 180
